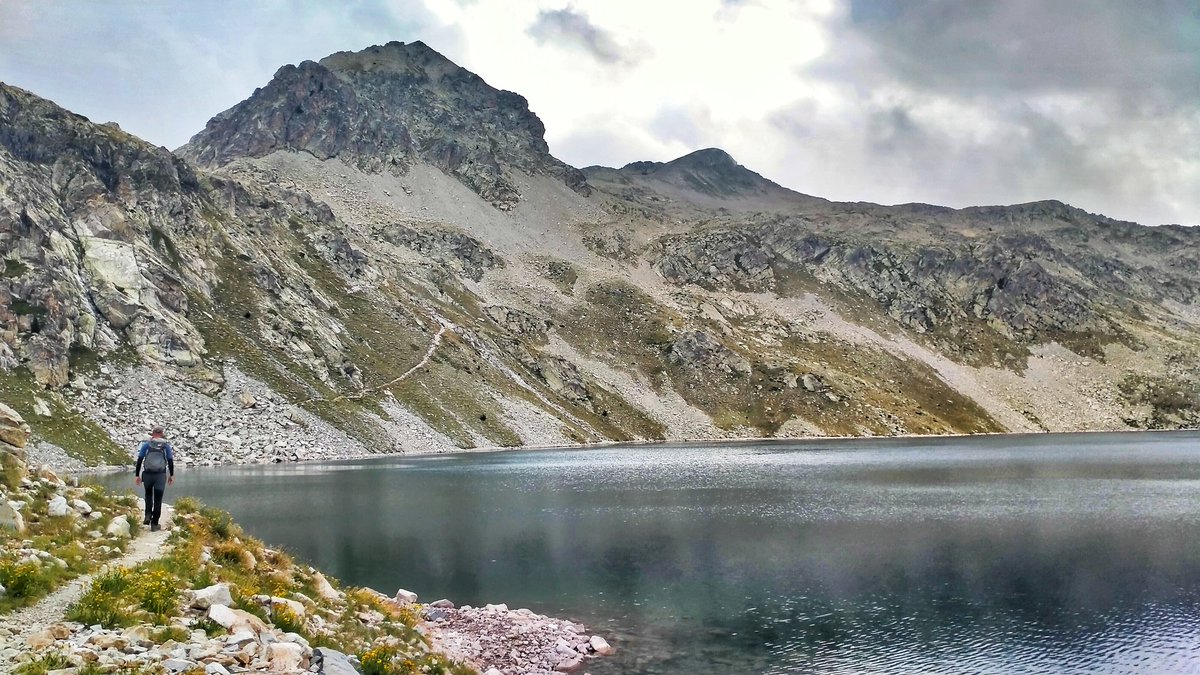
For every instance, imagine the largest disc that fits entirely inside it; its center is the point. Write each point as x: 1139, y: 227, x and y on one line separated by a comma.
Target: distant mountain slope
x: 709, y: 178
x: 377, y: 253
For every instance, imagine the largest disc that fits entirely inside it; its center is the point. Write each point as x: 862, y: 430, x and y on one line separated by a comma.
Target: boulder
x: 330, y: 662
x: 41, y: 408
x: 81, y: 506
x: 217, y: 594
x: 11, y: 518
x: 13, y: 429
x: 442, y: 604
x: 215, y: 668
x: 285, y: 657
x: 47, y: 474
x: 291, y: 605
x: 600, y: 645
x: 405, y: 597
x: 119, y: 527
x: 247, y: 400
x: 236, y: 620
x: 58, y: 507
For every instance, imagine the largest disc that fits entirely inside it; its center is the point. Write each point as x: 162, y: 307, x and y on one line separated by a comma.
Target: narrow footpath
x: 15, y: 628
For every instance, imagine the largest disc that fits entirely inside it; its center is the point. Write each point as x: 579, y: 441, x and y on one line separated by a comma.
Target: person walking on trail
x: 155, y: 469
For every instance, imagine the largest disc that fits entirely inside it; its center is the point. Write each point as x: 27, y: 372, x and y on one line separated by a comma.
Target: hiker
x: 156, y: 470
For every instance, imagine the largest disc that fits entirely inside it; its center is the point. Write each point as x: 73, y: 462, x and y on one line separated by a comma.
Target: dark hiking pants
x: 155, y: 484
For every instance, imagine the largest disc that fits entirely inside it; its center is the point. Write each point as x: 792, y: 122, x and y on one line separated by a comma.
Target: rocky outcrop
x: 518, y: 322
x: 697, y: 350
x: 14, y: 432
x: 463, y: 253
x: 1019, y: 288
x: 383, y: 109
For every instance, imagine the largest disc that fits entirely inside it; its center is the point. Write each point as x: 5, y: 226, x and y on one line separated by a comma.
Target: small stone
x: 81, y: 506
x: 405, y: 597
x: 442, y: 604
x: 215, y: 669
x: 178, y: 665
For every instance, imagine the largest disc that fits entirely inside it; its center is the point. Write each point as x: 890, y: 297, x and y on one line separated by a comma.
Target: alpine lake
x: 1063, y: 553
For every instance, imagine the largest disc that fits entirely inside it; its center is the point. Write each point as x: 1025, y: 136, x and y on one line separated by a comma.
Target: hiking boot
x: 146, y: 520
x: 154, y: 527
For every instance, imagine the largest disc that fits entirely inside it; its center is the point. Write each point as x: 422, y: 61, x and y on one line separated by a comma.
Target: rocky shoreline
x: 229, y: 626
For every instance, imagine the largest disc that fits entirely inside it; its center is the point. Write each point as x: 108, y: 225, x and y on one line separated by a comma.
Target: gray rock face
x: 467, y: 254
x: 518, y: 322
x: 701, y: 351
x: 383, y: 108
x: 1016, y: 286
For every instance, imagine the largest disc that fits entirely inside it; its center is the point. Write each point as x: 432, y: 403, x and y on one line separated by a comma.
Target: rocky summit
x: 376, y: 252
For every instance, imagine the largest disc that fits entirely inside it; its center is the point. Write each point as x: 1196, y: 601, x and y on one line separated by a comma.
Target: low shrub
x: 98, y: 607
x: 24, y: 580
x: 156, y: 592
x: 43, y: 664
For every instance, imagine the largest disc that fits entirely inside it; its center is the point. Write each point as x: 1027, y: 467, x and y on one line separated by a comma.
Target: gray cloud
x: 566, y: 26
x: 1000, y: 101
x: 1144, y: 48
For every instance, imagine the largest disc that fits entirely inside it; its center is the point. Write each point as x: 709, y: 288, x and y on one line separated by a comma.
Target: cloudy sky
x: 957, y: 102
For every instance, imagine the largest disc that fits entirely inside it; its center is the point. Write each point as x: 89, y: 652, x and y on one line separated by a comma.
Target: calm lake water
x: 1029, y: 554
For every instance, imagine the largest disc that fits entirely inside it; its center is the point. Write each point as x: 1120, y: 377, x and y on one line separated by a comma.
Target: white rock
x: 284, y: 656
x: 119, y: 527
x: 324, y: 588
x: 217, y: 594
x: 81, y: 506
x: 41, y: 408
x: 405, y: 597
x: 215, y: 669
x: 58, y: 507
x: 11, y: 518
x: 600, y: 646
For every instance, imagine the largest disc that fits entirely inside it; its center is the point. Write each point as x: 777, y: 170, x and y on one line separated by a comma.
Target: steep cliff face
x: 383, y: 109
x: 376, y: 252
x: 101, y: 238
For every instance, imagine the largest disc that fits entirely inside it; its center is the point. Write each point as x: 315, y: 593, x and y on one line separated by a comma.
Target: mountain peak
x: 394, y: 57
x: 386, y: 108
x: 710, y: 172
x: 708, y: 157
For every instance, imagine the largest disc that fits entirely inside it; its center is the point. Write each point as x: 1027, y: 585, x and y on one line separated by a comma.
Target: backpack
x: 156, y: 456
